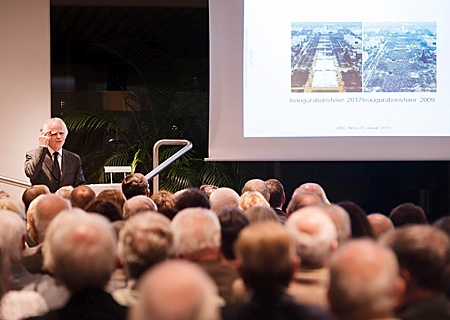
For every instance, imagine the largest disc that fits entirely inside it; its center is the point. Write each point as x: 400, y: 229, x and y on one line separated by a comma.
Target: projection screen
x: 329, y: 80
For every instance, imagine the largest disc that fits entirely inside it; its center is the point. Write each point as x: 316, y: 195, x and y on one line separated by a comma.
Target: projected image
x: 399, y: 57
x: 326, y: 57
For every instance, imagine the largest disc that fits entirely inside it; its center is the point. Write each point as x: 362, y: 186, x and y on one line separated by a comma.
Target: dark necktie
x: 56, y: 164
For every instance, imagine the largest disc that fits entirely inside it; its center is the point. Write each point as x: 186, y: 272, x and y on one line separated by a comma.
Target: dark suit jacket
x: 39, y: 168
x: 274, y: 306
x: 88, y: 305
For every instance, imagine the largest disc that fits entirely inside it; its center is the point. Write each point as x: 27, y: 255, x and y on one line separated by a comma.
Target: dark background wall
x: 180, y: 29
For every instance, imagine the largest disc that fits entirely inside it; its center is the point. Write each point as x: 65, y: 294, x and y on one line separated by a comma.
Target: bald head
x: 380, y: 224
x: 314, y: 234
x: 47, y: 207
x: 223, y: 197
x: 138, y: 204
x: 313, y: 188
x: 177, y: 290
x: 303, y: 199
x: 364, y: 281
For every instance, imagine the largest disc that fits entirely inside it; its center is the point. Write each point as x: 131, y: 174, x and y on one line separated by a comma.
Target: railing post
x: 157, y: 168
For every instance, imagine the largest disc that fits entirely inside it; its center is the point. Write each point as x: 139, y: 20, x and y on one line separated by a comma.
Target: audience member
x: 252, y: 198
x: 257, y: 185
x: 208, y: 189
x: 81, y: 196
x: 364, y: 281
x: 165, y: 201
x: 145, y: 240
x: 315, y: 238
x: 303, y: 199
x: 12, y: 240
x: 82, y: 254
x: 443, y: 224
x: 267, y: 260
x: 113, y: 195
x: 407, y: 213
x: 358, y: 218
x: 135, y: 184
x: 15, y: 304
x: 224, y: 197
x: 232, y: 221
x: 47, y: 206
x: 423, y: 253
x: 341, y: 221
x: 277, y: 197
x: 4, y: 273
x: 191, y: 198
x: 177, y: 290
x: 197, y: 238
x: 32, y: 192
x: 14, y: 205
x: 380, y: 224
x: 106, y: 208
x: 50, y: 164
x: 138, y: 204
x: 257, y: 214
x: 64, y: 192
x: 313, y: 188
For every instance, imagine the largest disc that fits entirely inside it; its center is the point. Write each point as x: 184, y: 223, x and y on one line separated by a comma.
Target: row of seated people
x: 210, y: 253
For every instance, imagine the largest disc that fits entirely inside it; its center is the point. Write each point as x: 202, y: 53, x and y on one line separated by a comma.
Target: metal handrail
x: 152, y: 174
x: 14, y: 182
x: 159, y: 167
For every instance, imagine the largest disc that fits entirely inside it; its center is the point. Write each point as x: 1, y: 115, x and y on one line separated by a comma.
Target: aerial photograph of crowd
x: 363, y: 57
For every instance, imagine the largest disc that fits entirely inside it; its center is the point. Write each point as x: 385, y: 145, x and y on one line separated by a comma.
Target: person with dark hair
x: 113, y: 195
x: 266, y: 262
x: 232, y: 221
x: 50, y: 164
x: 135, y: 184
x: 423, y: 253
x: 81, y: 196
x: 190, y: 198
x: 407, y: 213
x: 358, y: 218
x: 106, y: 208
x: 277, y: 197
x: 32, y: 192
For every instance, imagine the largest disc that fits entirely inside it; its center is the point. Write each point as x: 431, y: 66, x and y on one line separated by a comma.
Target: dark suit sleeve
x: 79, y: 177
x: 34, y: 160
